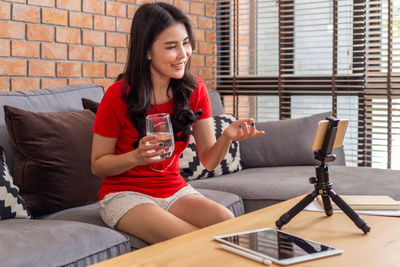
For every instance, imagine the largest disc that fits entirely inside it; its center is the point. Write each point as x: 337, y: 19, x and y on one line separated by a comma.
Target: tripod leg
x: 285, y: 218
x: 349, y: 212
x: 327, y: 204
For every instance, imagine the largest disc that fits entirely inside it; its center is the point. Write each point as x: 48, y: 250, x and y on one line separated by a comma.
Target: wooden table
x: 380, y: 247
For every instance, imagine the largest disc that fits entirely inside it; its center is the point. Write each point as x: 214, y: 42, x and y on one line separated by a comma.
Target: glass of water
x: 160, y: 126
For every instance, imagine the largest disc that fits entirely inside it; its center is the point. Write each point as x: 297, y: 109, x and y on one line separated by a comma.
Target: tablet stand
x: 323, y: 186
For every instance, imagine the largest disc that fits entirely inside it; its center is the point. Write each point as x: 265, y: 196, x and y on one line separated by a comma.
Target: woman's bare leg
x: 200, y: 211
x: 153, y: 224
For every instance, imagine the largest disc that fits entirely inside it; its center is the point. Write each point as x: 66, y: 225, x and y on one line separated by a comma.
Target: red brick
x: 194, y: 20
x: 54, y: 51
x: 197, y: 61
x: 212, y: 84
x: 25, y: 49
x: 115, y: 9
x: 12, y: 67
x: 68, y: 35
x: 116, y: 39
x: 52, y: 83
x: 196, y: 8
x: 79, y: 81
x: 121, y: 55
x: 5, y: 11
x: 4, y: 84
x: 51, y: 16
x: 93, y: 70
x: 37, y: 32
x: 211, y: 11
x: 127, y: 1
x: 206, y: 73
x: 211, y: 61
x: 93, y: 38
x: 41, y: 68
x: 93, y: 6
x: 80, y: 20
x: 104, y: 23
x: 206, y: 23
x: 69, y: 5
x: 114, y: 69
x: 124, y: 25
x: 141, y: 2
x: 68, y: 69
x: 26, y: 13
x: 4, y: 48
x: 183, y: 5
x: 20, y: 84
x: 104, y: 82
x: 199, y: 35
x: 12, y: 30
x: 47, y: 3
x: 104, y: 54
x: 77, y: 52
x: 131, y: 11
x: 206, y: 48
x: 211, y: 36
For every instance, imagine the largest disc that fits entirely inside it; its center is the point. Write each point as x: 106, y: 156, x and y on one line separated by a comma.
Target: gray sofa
x: 78, y: 237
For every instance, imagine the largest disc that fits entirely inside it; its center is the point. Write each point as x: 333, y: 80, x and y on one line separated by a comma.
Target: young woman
x: 142, y: 195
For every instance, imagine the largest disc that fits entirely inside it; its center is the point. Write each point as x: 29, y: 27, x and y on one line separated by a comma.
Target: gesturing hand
x: 241, y: 130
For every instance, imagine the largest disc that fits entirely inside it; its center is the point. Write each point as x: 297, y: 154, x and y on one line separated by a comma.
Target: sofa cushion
x: 189, y: 162
x: 67, y: 98
x: 285, y: 143
x: 11, y: 204
x: 52, y: 158
x: 58, y: 243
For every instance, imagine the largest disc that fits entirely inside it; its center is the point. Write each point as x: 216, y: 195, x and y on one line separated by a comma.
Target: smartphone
x: 321, y: 130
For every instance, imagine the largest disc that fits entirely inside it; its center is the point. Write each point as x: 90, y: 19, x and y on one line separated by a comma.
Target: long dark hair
x: 149, y: 21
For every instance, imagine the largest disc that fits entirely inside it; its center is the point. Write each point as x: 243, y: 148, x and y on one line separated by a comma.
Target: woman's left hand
x: 241, y: 130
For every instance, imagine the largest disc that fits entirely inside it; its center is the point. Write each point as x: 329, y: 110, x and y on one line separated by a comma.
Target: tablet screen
x: 278, y: 246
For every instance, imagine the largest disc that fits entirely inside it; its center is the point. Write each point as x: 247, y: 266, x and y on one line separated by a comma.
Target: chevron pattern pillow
x: 189, y: 163
x: 11, y: 204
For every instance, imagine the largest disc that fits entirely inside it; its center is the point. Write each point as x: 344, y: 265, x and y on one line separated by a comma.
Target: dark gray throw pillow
x: 11, y: 204
x: 52, y: 158
x: 189, y: 162
x: 285, y: 143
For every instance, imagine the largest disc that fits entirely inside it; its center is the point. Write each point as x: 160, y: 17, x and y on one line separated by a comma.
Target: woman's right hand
x: 148, y: 150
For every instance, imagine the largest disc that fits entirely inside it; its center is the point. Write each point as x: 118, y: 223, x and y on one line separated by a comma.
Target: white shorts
x: 115, y: 205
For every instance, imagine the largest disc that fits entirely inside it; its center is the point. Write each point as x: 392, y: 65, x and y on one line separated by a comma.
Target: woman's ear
x: 148, y: 55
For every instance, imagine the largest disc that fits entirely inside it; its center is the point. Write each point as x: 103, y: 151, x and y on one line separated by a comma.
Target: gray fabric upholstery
x: 45, y: 100
x: 285, y: 143
x: 57, y: 243
x: 216, y: 104
x: 260, y: 187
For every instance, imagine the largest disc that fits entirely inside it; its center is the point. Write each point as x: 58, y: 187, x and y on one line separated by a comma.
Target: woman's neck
x: 161, y: 92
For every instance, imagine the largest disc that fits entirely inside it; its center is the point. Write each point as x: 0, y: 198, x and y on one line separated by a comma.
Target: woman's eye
x: 170, y: 47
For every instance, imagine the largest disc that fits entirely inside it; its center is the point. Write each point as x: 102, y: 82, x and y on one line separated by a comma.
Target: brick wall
x: 49, y: 43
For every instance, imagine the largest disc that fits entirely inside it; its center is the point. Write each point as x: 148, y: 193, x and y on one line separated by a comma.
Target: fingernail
x: 161, y: 144
x: 252, y: 124
x: 162, y: 151
x: 240, y: 126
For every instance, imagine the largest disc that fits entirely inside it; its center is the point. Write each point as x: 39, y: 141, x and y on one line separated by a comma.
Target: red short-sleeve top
x: 159, y: 179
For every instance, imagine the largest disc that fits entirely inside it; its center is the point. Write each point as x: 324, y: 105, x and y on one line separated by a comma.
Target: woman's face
x: 170, y: 53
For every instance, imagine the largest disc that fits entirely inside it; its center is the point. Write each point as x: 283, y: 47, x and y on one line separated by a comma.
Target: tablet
x: 280, y: 247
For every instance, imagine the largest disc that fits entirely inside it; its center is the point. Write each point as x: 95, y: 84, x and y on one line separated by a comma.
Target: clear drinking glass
x: 160, y: 126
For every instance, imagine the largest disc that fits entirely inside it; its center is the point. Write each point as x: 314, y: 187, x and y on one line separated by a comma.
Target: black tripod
x: 322, y: 185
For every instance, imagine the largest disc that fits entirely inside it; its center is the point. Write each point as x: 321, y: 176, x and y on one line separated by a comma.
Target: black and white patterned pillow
x: 11, y: 204
x: 189, y: 163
